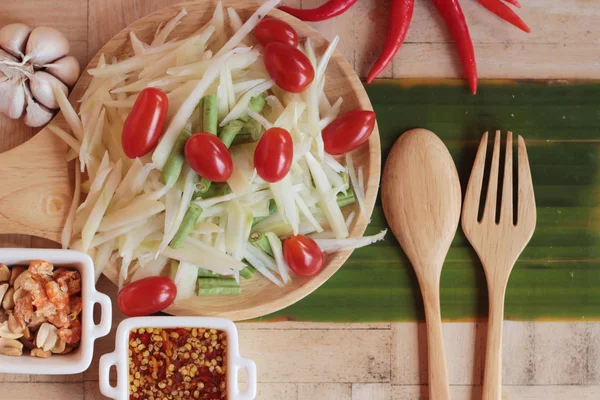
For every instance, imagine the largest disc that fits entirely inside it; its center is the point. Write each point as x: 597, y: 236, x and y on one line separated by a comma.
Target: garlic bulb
x: 32, y: 64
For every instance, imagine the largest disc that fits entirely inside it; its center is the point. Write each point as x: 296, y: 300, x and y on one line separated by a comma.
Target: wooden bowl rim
x: 336, y: 260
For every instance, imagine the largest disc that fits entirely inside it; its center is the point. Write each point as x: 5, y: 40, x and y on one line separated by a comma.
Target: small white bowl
x: 119, y: 358
x: 80, y: 359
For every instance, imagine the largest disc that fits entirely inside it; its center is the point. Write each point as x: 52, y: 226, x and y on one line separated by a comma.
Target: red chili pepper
x: 514, y: 3
x: 401, y: 12
x: 455, y: 20
x: 330, y: 9
x: 504, y: 12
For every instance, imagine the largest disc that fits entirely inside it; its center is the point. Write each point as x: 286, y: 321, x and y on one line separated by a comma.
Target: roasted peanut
x: 8, y: 303
x: 40, y: 353
x: 4, y: 273
x: 10, y: 347
x: 14, y: 274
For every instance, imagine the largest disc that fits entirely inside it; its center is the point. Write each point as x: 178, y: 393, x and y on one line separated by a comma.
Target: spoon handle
x: 438, y: 376
x: 492, y: 378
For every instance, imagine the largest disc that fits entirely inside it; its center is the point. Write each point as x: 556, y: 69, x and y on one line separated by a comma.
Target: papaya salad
x: 213, y: 157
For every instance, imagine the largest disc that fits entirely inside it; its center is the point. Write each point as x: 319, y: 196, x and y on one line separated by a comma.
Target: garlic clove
x: 41, y: 84
x: 15, y: 99
x: 45, y: 45
x: 66, y: 69
x: 36, y: 115
x: 6, y: 56
x: 6, y: 86
x: 13, y: 38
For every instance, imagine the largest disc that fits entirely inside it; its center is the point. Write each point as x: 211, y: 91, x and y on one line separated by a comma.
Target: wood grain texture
x: 496, y: 238
x: 510, y: 393
x: 71, y: 18
x: 371, y: 391
x: 421, y: 199
x: 36, y: 197
x: 564, y: 40
x: 316, y: 391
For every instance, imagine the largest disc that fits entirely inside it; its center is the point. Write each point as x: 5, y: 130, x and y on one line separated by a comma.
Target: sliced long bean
x: 230, y: 131
x: 216, y: 189
x: 219, y: 291
x: 210, y: 122
x: 204, y: 273
x: 256, y: 104
x: 172, y: 169
x: 258, y: 239
x: 210, y: 114
x: 189, y: 220
x: 346, y: 199
x: 216, y: 286
x: 247, y: 272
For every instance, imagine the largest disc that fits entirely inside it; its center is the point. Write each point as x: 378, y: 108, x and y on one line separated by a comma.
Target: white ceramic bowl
x: 80, y: 359
x: 119, y: 358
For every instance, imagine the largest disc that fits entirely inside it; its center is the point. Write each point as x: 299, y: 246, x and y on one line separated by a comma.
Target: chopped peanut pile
x: 40, y: 309
x: 177, y: 364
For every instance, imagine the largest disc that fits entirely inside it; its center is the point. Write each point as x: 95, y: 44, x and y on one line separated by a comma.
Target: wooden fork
x: 498, y: 244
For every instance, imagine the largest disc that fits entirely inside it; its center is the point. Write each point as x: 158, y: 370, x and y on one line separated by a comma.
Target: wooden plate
x: 259, y: 296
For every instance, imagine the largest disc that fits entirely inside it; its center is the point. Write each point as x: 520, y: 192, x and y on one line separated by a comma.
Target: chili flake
x: 177, y: 364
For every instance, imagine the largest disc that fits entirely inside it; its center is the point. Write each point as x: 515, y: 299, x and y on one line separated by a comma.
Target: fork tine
x: 526, y: 199
x: 506, y: 207
x: 473, y: 193
x: 489, y: 210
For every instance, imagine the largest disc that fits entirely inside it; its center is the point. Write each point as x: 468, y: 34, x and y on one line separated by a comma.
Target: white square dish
x: 80, y: 359
x: 120, y: 359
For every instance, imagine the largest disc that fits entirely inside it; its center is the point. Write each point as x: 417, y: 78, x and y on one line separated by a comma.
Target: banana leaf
x: 557, y: 276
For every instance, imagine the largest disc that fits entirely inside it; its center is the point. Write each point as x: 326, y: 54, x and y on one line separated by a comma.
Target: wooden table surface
x: 309, y: 361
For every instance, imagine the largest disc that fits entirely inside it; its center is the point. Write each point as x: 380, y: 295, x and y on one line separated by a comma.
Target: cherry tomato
x: 348, y: 131
x: 208, y: 156
x: 275, y: 30
x: 303, y: 255
x: 146, y: 296
x: 145, y: 123
x: 274, y: 155
x: 288, y: 67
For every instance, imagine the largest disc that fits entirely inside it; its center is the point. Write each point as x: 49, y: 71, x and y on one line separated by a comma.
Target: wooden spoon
x: 35, y: 192
x: 421, y: 200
